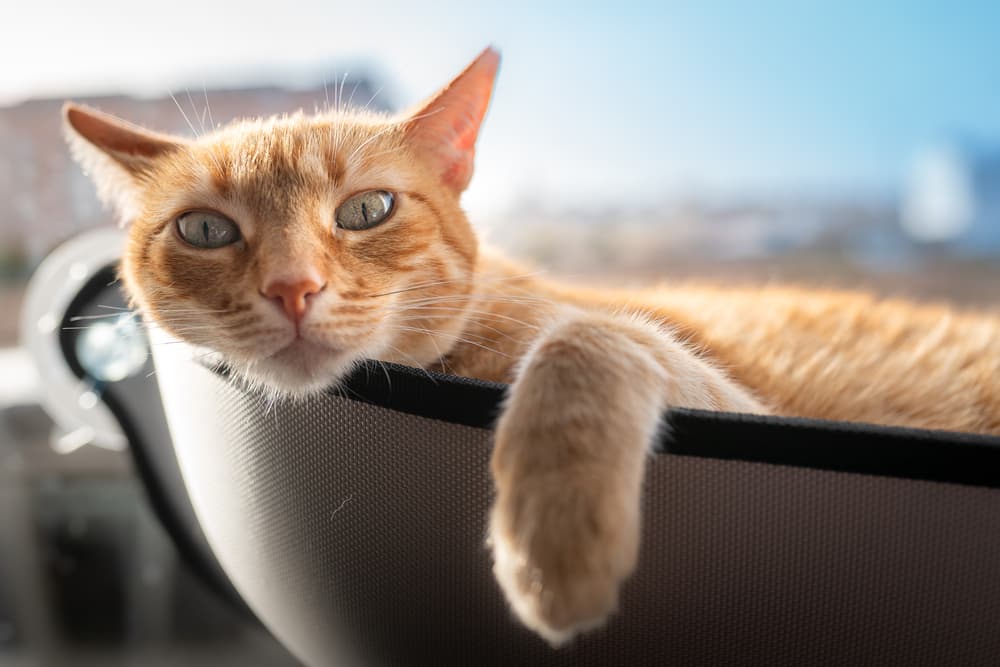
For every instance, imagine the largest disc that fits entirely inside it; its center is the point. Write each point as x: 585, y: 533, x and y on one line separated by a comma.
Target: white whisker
x: 457, y: 339
x: 208, y: 107
x: 194, y: 109
x: 353, y: 90
x: 414, y: 364
x: 435, y: 283
x: 372, y: 98
x: 181, y: 109
x: 340, y: 93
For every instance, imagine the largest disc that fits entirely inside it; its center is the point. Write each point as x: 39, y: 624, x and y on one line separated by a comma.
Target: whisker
x: 353, y: 90
x: 458, y: 339
x: 463, y: 334
x: 479, y: 299
x: 436, y: 282
x: 186, y: 119
x: 340, y: 93
x: 208, y: 311
x: 391, y: 128
x: 194, y: 108
x: 499, y: 332
x: 455, y: 309
x: 384, y: 369
x: 372, y: 98
x: 208, y: 107
x: 344, y: 390
x: 415, y: 363
x: 77, y: 318
x: 350, y: 158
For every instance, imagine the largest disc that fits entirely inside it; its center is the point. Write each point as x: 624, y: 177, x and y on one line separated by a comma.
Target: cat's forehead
x: 277, y: 163
x: 333, y: 142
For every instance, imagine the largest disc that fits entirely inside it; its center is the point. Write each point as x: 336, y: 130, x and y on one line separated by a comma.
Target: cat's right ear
x: 115, y: 154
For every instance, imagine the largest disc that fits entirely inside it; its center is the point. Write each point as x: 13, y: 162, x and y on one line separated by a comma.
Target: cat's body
x: 827, y: 354
x: 297, y: 246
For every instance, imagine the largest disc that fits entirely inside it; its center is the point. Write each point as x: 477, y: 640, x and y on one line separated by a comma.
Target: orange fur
x: 591, y: 370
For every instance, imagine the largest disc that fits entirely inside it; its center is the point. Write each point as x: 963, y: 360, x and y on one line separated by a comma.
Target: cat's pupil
x: 204, y: 229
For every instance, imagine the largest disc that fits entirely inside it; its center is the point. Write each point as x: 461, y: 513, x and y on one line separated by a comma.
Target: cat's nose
x: 292, y: 295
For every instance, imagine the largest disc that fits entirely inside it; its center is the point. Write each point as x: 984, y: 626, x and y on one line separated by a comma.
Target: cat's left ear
x: 115, y: 154
x: 444, y: 128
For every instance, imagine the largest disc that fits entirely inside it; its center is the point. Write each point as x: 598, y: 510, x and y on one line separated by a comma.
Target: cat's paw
x: 563, y: 542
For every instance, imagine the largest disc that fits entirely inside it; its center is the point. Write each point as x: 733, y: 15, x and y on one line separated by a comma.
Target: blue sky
x: 596, y: 103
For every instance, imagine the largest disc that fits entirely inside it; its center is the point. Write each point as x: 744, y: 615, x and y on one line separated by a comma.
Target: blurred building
x: 952, y: 199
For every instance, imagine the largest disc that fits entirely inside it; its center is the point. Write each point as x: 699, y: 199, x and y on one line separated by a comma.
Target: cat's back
x: 843, y: 355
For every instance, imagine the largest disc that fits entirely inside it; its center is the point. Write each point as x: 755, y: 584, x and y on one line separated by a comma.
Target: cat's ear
x: 115, y: 153
x: 444, y: 128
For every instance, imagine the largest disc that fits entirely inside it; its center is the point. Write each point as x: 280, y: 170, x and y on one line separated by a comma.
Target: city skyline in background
x: 596, y: 105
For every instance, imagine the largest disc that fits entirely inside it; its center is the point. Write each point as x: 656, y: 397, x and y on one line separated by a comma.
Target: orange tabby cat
x: 297, y: 246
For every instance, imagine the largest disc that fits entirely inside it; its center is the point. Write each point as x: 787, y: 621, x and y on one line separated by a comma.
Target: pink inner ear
x: 446, y: 126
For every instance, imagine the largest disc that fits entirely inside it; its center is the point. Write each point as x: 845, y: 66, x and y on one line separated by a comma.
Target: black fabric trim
x: 939, y: 456
x: 449, y: 398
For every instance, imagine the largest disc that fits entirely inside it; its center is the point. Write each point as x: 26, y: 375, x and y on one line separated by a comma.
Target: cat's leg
x: 571, y: 447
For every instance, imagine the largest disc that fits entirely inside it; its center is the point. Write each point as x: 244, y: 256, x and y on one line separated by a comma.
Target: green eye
x: 365, y: 210
x: 203, y: 229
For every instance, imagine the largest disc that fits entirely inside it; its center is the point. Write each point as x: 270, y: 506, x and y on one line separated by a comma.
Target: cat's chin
x: 300, y: 369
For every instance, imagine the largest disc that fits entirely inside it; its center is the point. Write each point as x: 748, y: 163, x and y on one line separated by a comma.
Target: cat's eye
x: 365, y: 210
x: 204, y: 229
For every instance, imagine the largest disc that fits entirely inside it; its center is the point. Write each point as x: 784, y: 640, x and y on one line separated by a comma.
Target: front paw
x: 563, y: 542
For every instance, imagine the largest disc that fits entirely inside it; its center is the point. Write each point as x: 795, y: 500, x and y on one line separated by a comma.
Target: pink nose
x: 293, y: 295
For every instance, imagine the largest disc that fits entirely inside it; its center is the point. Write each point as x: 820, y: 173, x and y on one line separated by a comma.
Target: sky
x: 597, y: 104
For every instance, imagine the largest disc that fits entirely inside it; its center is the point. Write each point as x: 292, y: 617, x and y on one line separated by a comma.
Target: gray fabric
x: 357, y: 535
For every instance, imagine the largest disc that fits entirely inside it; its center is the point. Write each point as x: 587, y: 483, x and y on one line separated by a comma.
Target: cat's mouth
x: 303, y: 367
x: 301, y: 353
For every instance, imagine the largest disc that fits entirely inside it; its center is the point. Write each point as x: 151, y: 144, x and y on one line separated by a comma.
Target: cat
x: 296, y: 246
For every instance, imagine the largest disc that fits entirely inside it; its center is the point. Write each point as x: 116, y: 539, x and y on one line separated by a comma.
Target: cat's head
x: 296, y: 246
